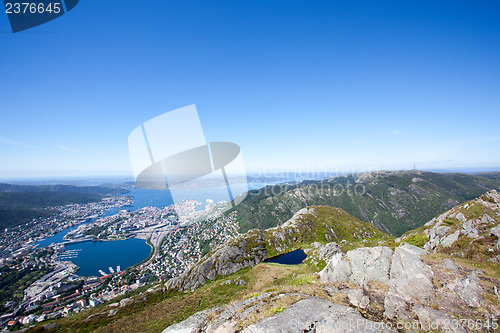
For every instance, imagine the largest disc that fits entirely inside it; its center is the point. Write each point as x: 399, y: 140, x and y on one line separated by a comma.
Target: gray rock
x: 370, y: 264
x: 434, y: 320
x: 51, y: 326
x: 469, y: 290
x: 487, y: 219
x: 327, y: 251
x: 317, y: 315
x: 436, y: 234
x: 469, y: 230
x: 450, y: 239
x: 112, y: 312
x: 496, y: 232
x: 450, y: 264
x: 395, y: 308
x: 461, y: 217
x: 359, y: 266
x: 240, y: 282
x: 330, y: 290
x: 358, y: 298
x: 126, y: 301
x: 192, y: 324
x: 411, y: 278
x: 403, y: 271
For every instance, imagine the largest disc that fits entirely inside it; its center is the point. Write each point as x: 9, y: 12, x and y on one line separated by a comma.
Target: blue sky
x: 297, y: 84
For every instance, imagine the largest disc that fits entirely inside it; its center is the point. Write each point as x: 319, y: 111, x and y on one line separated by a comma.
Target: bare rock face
x: 437, y: 321
x: 359, y: 266
x: 402, y: 270
x: 323, y: 252
x: 192, y: 324
x: 358, y: 298
x: 309, y: 314
x: 469, y: 290
x: 317, y: 315
x: 410, y: 277
x: 226, y: 260
x: 496, y: 232
x: 396, y: 308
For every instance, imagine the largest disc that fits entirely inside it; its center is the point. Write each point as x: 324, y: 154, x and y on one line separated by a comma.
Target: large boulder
x: 359, y: 266
x: 436, y: 321
x: 469, y: 290
x: 410, y: 277
x: 403, y: 271
x: 314, y: 314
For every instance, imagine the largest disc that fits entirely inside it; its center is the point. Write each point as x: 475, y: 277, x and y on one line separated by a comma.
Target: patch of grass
x: 474, y: 210
x: 278, y: 309
x: 417, y: 239
x: 449, y: 222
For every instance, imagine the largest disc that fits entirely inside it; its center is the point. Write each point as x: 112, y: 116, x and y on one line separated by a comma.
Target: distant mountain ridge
x: 21, y: 203
x: 394, y: 201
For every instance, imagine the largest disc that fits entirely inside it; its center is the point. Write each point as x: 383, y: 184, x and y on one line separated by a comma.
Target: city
x: 179, y: 235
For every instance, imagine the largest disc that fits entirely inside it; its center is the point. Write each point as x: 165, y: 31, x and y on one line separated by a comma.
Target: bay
x: 95, y: 256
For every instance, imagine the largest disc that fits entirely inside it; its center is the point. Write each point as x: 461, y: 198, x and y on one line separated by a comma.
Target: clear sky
x: 297, y: 84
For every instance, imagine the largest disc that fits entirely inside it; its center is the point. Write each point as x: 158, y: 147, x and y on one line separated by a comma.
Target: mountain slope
x: 368, y: 280
x: 469, y: 231
x: 395, y: 201
x: 317, y: 224
x: 383, y: 288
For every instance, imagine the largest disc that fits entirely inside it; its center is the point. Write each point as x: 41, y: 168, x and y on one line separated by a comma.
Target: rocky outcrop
x: 476, y: 223
x: 308, y: 314
x: 245, y: 251
x: 314, y: 314
x: 359, y: 266
x: 434, y: 320
x: 401, y: 270
x: 496, y: 232
x: 304, y: 228
x: 367, y: 289
x: 410, y: 278
x: 469, y: 289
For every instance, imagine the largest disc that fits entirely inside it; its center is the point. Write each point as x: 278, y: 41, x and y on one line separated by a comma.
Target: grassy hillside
x: 393, y: 201
x: 157, y: 308
x: 153, y: 311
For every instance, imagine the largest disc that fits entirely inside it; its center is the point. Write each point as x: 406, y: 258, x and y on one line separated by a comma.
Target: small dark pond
x: 291, y: 258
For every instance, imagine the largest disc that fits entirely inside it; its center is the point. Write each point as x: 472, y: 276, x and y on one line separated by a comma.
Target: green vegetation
x: 20, y: 204
x: 13, y: 217
x: 13, y: 282
x: 278, y: 309
x: 417, y: 239
x: 156, y: 310
x: 324, y: 225
x: 394, y: 201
